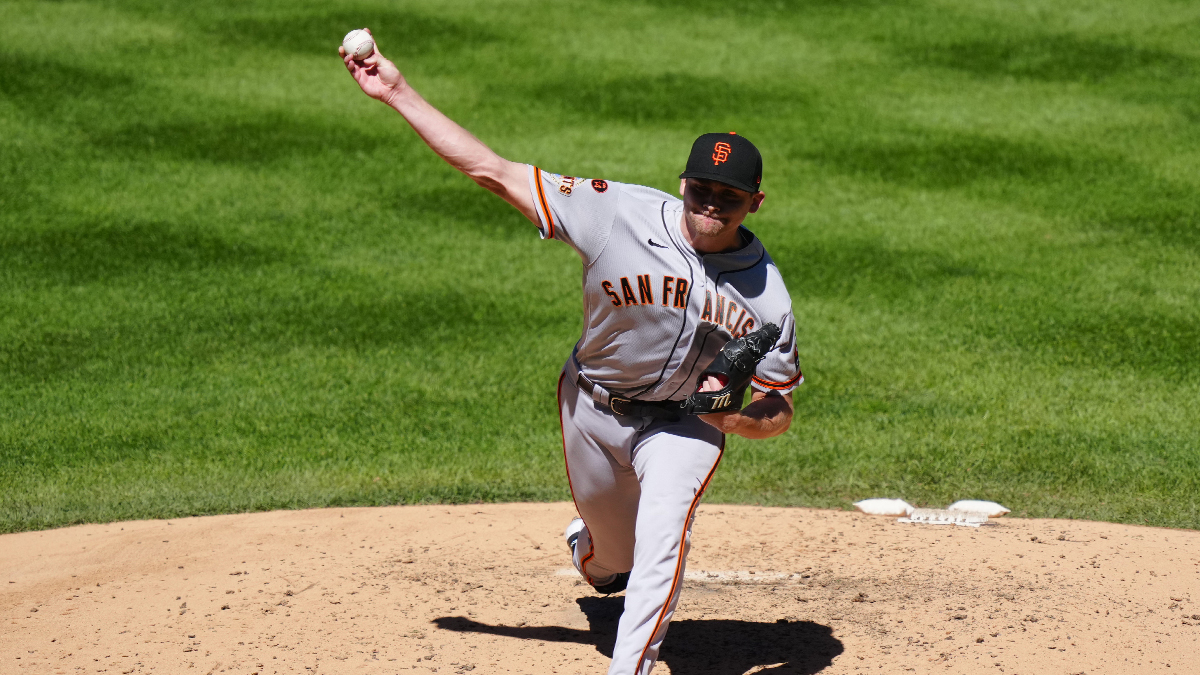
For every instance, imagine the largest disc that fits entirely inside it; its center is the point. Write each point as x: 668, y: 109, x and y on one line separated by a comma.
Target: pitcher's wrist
x: 395, y: 96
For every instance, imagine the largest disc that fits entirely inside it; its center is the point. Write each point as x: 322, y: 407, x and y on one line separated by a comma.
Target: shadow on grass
x: 250, y: 136
x: 241, y: 313
x: 707, y: 646
x: 1010, y: 52
x: 1149, y: 339
x: 464, y: 206
x: 1096, y: 190
x: 19, y: 183
x: 253, y: 139
x: 670, y: 97
x: 1135, y: 203
x: 846, y: 269
x: 978, y: 45
x: 94, y: 251
x: 40, y: 86
x: 67, y: 94
x: 939, y: 159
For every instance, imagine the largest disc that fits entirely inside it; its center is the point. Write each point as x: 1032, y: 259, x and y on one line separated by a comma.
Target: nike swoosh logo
x: 651, y: 242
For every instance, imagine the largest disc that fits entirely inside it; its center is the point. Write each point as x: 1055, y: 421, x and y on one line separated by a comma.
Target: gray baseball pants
x: 636, y: 482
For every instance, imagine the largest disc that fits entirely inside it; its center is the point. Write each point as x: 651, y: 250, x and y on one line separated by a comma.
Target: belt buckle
x: 617, y: 405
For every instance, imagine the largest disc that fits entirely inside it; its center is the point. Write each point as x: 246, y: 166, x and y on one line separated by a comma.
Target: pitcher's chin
x: 705, y: 226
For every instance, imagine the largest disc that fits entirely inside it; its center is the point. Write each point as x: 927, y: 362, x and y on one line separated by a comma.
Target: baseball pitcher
x: 683, y: 311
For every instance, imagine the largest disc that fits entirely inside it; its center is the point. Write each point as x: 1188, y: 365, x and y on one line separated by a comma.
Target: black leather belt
x: 668, y: 410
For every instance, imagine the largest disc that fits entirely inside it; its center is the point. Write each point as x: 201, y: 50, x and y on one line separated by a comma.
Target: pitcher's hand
x: 378, y: 77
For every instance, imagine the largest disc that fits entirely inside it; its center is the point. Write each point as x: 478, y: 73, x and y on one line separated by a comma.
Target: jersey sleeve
x: 576, y: 211
x: 780, y: 370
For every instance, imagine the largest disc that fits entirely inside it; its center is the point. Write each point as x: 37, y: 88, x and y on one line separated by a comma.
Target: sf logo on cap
x: 721, y: 152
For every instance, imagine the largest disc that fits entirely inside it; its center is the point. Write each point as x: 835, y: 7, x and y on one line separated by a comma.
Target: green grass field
x: 230, y: 282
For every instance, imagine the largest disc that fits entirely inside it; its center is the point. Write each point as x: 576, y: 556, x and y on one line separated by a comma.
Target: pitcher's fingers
x: 374, y: 46
x: 374, y: 57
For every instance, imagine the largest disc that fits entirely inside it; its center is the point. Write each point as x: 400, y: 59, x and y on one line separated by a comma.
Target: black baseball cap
x: 725, y: 158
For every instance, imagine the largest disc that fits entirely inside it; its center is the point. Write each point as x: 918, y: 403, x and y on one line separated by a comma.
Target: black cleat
x: 619, y: 582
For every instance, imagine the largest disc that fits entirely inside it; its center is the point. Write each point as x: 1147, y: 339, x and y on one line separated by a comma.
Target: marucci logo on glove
x: 734, y: 366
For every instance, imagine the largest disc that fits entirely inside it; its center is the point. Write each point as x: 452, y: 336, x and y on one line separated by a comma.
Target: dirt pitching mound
x: 488, y: 588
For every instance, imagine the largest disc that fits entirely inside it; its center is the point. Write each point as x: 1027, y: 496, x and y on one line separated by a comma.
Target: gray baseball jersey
x: 656, y: 312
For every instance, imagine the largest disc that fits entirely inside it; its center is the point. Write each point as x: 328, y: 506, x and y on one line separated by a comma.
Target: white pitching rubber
x: 946, y: 517
x: 884, y: 507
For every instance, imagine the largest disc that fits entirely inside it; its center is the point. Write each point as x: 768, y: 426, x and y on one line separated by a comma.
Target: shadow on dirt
x: 708, y: 646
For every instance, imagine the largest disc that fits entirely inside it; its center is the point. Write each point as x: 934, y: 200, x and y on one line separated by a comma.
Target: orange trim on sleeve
x: 678, y: 577
x: 778, y: 385
x: 537, y: 180
x: 790, y: 382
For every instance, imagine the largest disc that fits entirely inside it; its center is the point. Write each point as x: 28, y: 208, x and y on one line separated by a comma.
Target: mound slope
x: 488, y: 588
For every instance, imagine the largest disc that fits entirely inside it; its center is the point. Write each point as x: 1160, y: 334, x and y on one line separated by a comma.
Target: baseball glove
x: 734, y: 366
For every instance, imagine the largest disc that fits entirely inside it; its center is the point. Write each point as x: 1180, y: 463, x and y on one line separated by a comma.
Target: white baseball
x: 358, y: 44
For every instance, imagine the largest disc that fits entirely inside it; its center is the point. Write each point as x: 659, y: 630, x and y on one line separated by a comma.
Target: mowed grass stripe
x: 230, y: 282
